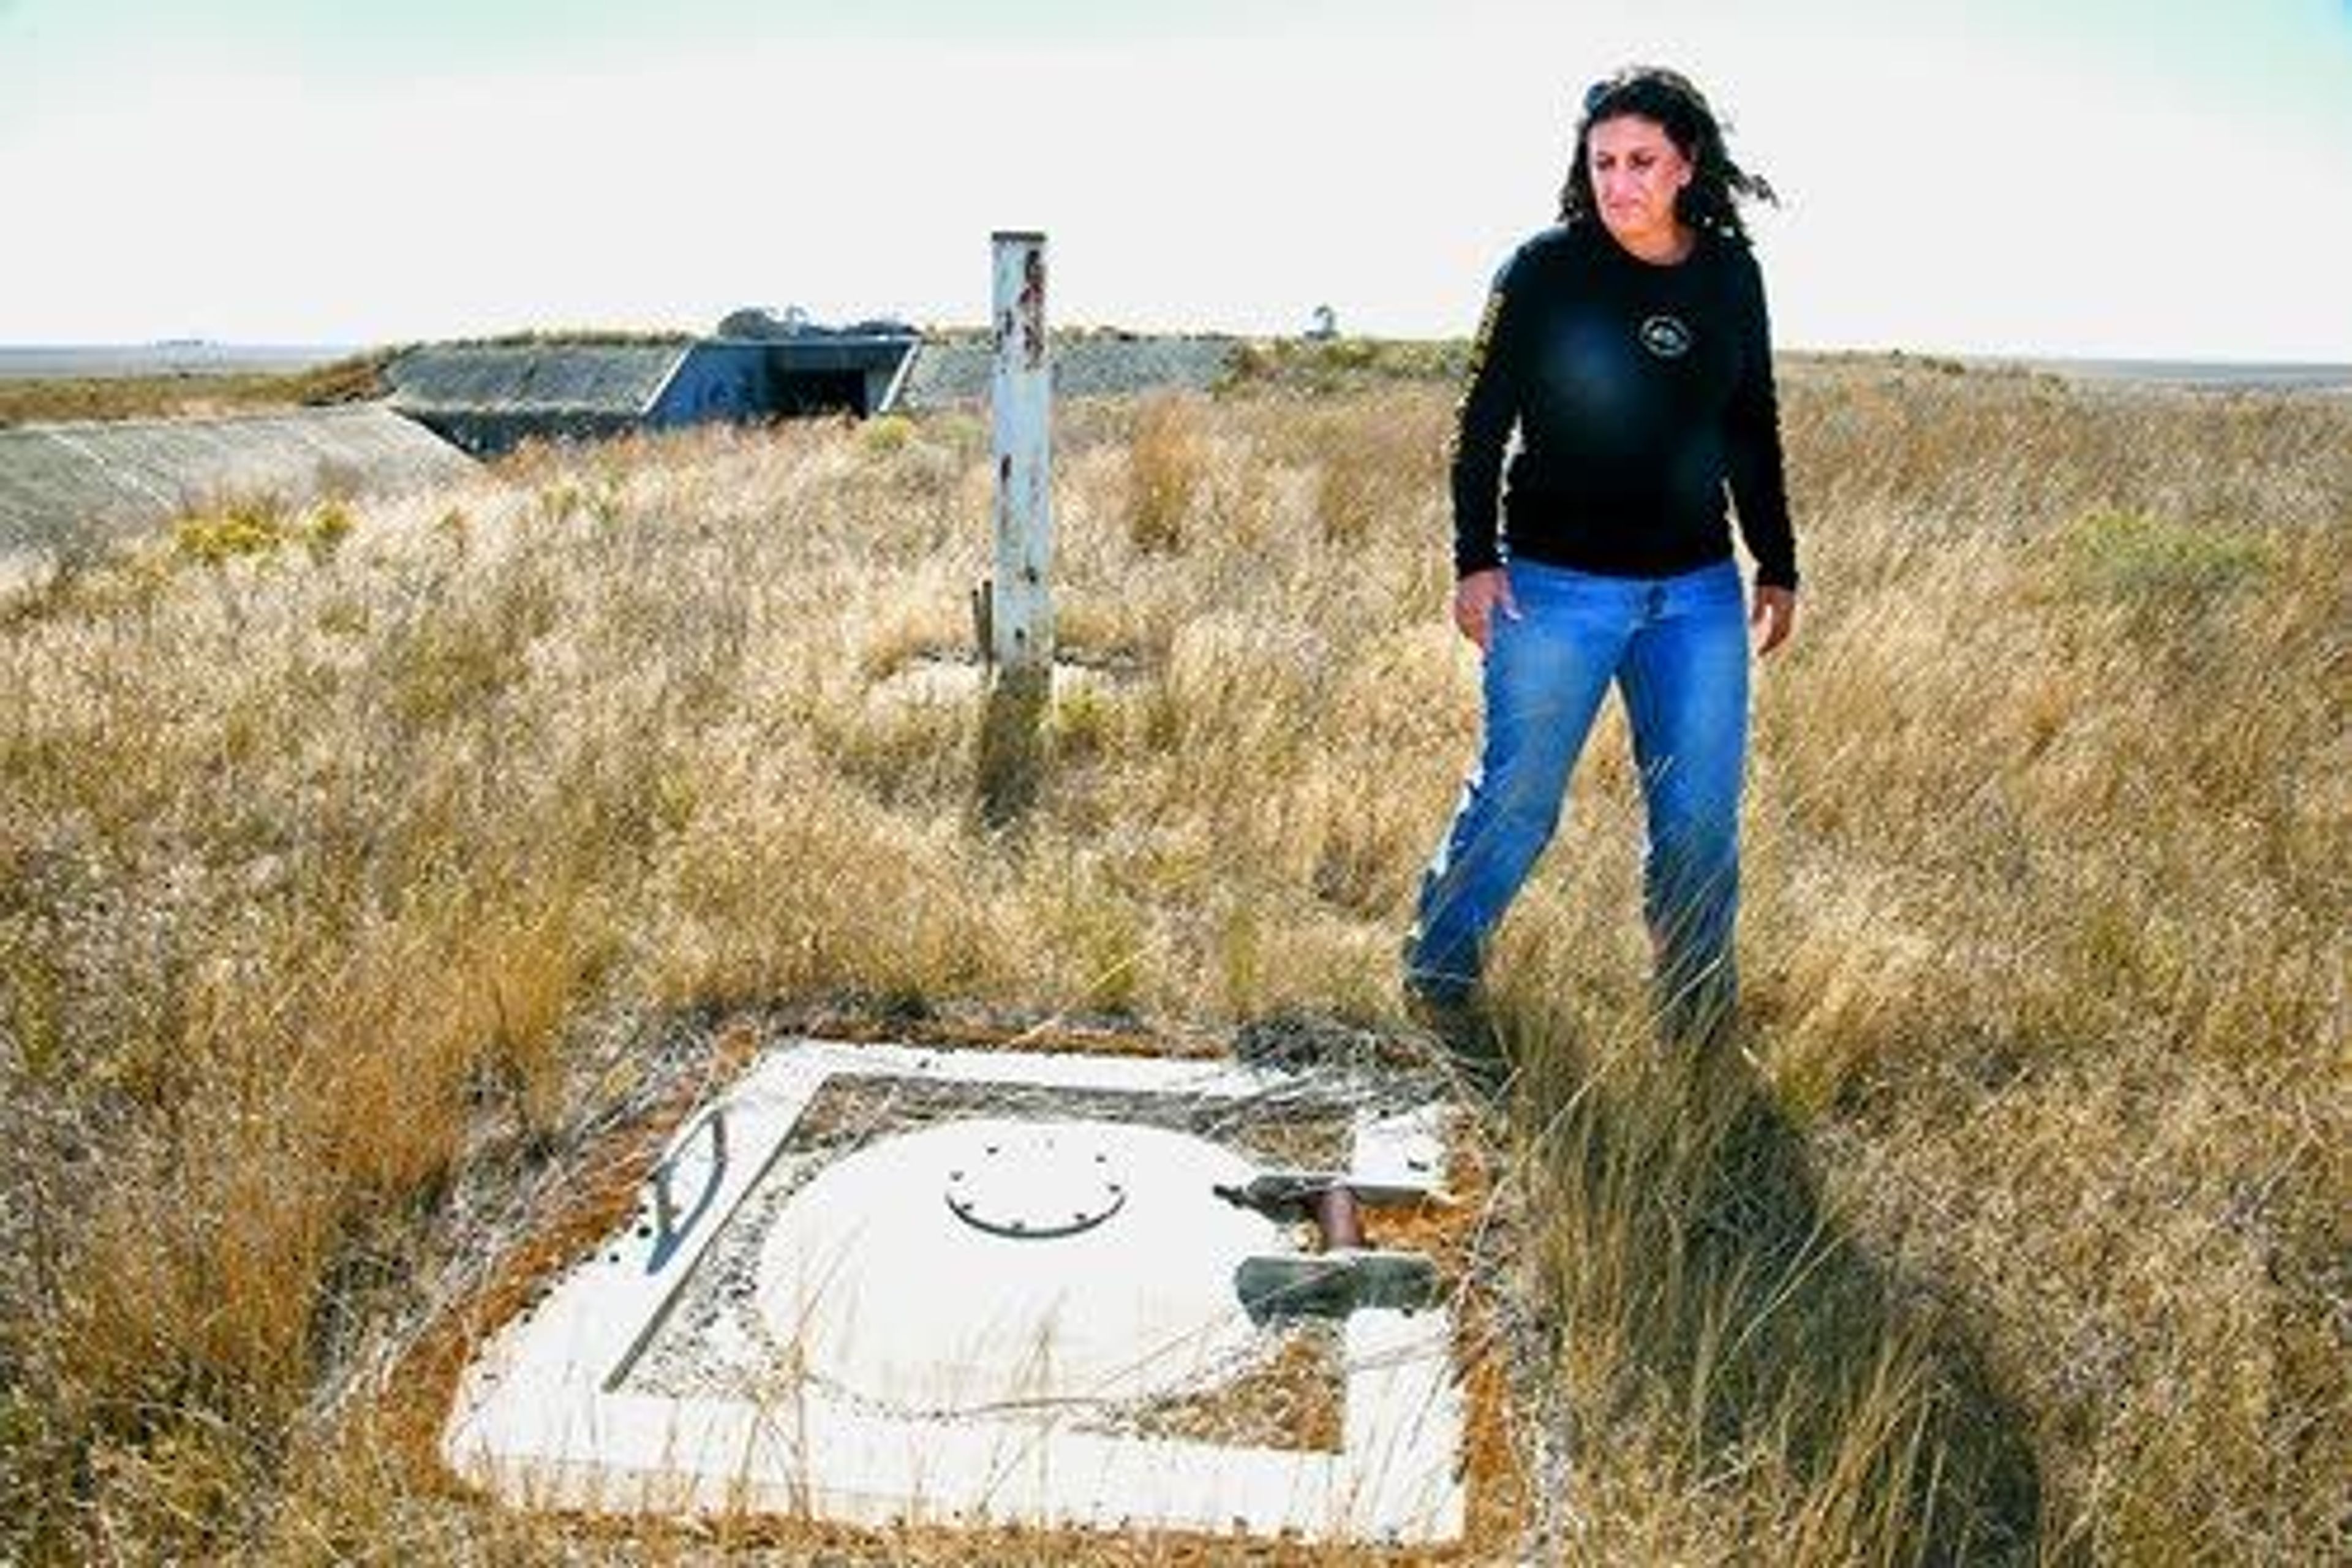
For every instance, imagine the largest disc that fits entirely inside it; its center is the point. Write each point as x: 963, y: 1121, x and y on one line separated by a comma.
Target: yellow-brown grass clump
x: 348, y: 895
x: 1166, y: 459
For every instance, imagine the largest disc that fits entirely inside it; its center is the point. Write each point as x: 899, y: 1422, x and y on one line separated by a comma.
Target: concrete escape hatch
x: 885, y: 1285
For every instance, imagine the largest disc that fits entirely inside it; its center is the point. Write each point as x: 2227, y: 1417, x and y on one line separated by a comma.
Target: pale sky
x: 2089, y: 177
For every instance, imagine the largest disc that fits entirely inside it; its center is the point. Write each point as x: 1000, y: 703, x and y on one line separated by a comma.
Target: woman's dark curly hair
x: 1711, y: 199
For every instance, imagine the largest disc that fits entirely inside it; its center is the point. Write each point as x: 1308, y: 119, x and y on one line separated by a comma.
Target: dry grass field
x: 358, y: 870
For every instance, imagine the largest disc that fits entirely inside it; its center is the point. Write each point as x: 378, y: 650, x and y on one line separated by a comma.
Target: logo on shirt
x: 1665, y: 337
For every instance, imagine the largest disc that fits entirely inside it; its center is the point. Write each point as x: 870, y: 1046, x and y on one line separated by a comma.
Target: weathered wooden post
x: 1021, y: 406
x: 1017, y: 630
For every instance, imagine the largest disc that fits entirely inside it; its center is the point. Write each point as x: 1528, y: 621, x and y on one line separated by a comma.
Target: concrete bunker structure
x: 885, y: 1285
x: 487, y: 399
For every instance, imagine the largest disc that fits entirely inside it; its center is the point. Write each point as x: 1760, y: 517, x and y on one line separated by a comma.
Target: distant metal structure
x: 490, y: 397
x: 1020, y: 404
x: 793, y: 322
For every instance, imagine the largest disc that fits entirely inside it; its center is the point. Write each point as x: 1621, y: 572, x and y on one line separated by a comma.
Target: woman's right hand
x: 1478, y: 599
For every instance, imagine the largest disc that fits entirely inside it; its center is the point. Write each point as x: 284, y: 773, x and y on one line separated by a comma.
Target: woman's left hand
x: 1775, y: 613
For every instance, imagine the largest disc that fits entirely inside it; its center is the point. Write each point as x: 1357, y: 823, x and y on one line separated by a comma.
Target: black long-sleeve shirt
x: 1639, y: 392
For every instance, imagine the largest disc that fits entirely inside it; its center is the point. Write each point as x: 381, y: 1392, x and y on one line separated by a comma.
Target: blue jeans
x: 1676, y: 649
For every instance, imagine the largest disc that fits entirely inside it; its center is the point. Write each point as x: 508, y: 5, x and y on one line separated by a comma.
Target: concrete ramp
x: 64, y: 488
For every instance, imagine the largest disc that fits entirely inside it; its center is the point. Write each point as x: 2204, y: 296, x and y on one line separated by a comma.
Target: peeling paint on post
x: 1020, y: 404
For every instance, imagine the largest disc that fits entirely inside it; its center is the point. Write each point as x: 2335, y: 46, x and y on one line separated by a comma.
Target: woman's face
x: 1637, y: 171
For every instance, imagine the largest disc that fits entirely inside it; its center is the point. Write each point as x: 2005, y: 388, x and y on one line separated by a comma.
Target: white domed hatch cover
x: 993, y: 1261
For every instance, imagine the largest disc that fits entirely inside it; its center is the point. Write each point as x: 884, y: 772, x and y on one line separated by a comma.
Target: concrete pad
x: 981, y: 1304
x: 954, y: 682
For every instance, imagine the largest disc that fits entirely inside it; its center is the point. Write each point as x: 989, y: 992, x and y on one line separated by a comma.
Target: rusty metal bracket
x: 1286, y: 1197
x: 1277, y: 1286
x: 1339, y: 1219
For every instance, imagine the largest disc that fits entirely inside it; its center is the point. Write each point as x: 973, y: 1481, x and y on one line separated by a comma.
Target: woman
x: 1628, y: 347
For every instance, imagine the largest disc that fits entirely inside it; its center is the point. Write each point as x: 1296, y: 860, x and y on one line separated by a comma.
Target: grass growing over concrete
x: 356, y: 379
x: 343, y: 893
